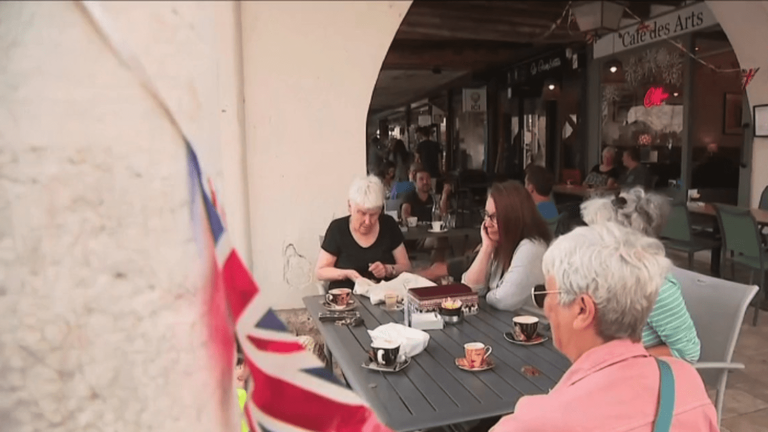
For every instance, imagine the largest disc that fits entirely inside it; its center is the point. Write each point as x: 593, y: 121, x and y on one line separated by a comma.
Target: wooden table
x: 432, y: 391
x: 761, y: 216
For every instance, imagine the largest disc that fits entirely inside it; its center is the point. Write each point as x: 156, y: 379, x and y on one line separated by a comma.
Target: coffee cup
x: 385, y: 352
x: 476, y: 353
x: 526, y: 326
x: 437, y: 226
x: 412, y: 221
x: 339, y: 296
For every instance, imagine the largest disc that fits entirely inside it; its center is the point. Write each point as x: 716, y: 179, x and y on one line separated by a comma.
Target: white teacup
x: 437, y: 226
x: 412, y: 221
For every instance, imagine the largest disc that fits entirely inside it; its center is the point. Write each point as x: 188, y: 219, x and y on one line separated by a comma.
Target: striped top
x: 671, y: 324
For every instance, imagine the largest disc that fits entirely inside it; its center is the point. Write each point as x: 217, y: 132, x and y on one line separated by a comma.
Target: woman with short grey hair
x: 669, y: 329
x: 601, y: 282
x: 367, y: 243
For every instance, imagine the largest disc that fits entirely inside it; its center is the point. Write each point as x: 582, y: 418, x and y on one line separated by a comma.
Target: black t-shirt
x: 349, y: 254
x: 600, y: 178
x: 420, y: 209
x: 429, y: 153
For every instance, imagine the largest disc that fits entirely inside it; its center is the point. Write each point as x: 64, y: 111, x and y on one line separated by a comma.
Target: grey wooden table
x: 432, y: 391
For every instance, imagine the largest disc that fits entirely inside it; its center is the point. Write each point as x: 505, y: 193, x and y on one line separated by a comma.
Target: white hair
x: 367, y: 192
x: 619, y: 268
x: 633, y: 208
x: 610, y: 149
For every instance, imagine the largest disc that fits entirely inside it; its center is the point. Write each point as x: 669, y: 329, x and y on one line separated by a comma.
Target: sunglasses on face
x: 539, y: 294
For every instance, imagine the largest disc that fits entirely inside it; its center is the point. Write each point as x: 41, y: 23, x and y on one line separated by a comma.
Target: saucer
x: 461, y: 362
x: 371, y: 364
x: 535, y: 341
x: 438, y: 231
x: 332, y: 307
x: 398, y: 307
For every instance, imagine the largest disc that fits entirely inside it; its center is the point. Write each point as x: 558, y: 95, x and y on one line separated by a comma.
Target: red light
x: 655, y: 97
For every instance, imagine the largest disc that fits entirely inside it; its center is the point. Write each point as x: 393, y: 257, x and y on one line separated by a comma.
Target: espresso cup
x: 476, y: 353
x: 385, y: 352
x: 339, y: 296
x: 526, y: 325
x: 412, y: 221
x: 437, y: 226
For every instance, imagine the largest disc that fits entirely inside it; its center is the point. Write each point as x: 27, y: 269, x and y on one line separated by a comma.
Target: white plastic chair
x: 717, y: 308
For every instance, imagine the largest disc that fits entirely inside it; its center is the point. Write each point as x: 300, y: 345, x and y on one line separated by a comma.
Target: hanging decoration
x: 610, y: 94
x: 643, y: 27
x: 747, y: 75
x: 644, y: 139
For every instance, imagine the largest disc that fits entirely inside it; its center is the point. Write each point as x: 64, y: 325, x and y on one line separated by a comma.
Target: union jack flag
x: 291, y: 390
x: 747, y: 75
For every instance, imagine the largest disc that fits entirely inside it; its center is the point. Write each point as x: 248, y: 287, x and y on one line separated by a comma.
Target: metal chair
x: 764, y: 199
x: 677, y: 234
x: 742, y: 238
x: 717, y: 308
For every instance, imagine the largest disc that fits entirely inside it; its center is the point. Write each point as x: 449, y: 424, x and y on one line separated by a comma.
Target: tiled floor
x: 746, y: 396
x: 746, y: 402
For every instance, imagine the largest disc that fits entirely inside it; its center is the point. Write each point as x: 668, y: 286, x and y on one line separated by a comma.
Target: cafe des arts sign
x: 676, y: 23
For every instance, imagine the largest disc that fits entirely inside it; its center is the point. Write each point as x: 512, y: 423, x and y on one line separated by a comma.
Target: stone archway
x: 744, y: 22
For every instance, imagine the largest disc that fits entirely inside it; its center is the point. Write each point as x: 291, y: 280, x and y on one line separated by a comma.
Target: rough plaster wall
x: 100, y: 324
x: 310, y: 68
x: 744, y: 22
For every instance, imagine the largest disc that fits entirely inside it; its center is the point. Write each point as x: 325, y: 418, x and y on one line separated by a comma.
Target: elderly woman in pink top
x: 601, y: 284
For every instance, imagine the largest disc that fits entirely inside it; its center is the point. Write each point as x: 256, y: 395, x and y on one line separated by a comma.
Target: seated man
x: 539, y: 182
x: 419, y: 202
x: 402, y: 188
x: 601, y: 284
x: 637, y: 174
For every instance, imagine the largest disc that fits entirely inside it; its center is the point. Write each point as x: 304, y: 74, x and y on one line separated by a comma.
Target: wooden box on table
x: 429, y: 299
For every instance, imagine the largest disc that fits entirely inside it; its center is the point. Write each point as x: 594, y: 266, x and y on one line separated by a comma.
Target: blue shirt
x: 547, y: 209
x: 401, y: 188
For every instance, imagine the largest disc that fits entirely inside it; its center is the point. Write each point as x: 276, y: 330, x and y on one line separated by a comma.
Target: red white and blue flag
x: 291, y: 389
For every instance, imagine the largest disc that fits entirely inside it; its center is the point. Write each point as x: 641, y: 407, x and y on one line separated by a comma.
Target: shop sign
x: 544, y: 65
x: 473, y: 100
x: 681, y: 21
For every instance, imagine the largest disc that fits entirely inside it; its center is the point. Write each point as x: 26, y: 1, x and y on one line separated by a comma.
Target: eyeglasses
x: 490, y: 217
x: 539, y: 294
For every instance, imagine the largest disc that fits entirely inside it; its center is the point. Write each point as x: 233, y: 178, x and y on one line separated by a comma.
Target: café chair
x: 717, y: 308
x: 764, y: 199
x: 677, y: 234
x: 742, y: 238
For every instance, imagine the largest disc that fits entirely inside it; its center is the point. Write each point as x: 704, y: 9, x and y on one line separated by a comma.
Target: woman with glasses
x: 514, y: 238
x: 601, y: 284
x: 669, y: 330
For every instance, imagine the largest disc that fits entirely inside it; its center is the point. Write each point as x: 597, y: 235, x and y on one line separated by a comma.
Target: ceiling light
x: 613, y: 69
x: 675, y: 94
x: 551, y: 86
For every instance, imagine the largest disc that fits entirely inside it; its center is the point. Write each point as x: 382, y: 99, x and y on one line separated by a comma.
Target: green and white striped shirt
x: 671, y: 324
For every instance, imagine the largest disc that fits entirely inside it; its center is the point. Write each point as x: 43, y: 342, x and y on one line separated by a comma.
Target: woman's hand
x: 486, y: 240
x: 351, y: 275
x: 378, y: 269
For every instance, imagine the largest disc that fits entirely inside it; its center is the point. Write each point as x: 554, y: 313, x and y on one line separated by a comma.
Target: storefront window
x: 642, y: 106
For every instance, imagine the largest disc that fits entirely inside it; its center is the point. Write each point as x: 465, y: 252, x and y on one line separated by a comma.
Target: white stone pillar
x: 100, y: 312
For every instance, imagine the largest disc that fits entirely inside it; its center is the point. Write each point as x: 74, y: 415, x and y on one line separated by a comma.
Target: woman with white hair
x: 606, y: 173
x: 367, y: 243
x: 669, y: 329
x: 601, y: 282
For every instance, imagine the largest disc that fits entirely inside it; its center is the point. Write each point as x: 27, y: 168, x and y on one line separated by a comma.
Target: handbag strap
x: 666, y: 398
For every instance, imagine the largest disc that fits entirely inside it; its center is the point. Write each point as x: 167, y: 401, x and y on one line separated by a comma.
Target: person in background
x: 403, y: 187
x: 601, y: 284
x: 606, y: 173
x: 637, y: 174
x: 428, y: 153
x: 400, y: 157
x: 241, y: 376
x: 539, y: 182
x: 375, y: 155
x: 514, y: 238
x: 387, y: 175
x: 419, y: 202
x: 367, y: 243
x: 669, y: 330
